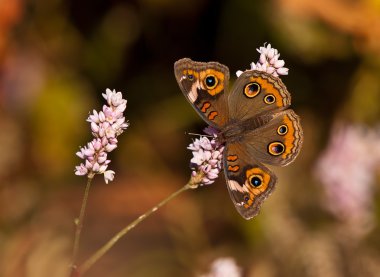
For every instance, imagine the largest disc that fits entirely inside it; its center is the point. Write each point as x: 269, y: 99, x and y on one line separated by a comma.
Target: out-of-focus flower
x: 224, y: 267
x: 268, y: 62
x: 207, y: 159
x: 106, y: 126
x: 347, y: 171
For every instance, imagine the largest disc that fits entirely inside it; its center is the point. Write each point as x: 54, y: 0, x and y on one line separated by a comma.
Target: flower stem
x: 106, y: 247
x: 78, y: 227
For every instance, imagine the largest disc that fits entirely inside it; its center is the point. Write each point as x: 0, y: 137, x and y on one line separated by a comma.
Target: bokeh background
x: 58, y: 56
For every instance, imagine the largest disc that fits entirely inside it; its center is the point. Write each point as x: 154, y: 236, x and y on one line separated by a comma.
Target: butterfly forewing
x: 204, y: 86
x: 256, y: 92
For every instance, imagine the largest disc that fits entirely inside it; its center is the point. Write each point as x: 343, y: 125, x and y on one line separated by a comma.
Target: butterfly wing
x: 263, y: 131
x: 255, y: 93
x: 248, y: 181
x: 277, y: 142
x: 204, y: 86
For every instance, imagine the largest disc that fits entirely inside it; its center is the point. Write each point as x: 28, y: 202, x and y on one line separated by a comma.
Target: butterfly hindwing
x: 204, y: 86
x: 278, y: 142
x: 248, y: 181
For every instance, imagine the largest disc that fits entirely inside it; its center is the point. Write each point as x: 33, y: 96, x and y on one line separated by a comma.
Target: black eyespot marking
x: 282, y: 130
x: 269, y: 99
x: 276, y: 148
x: 252, y: 89
x: 256, y: 181
x: 246, y: 198
x: 211, y: 81
x: 190, y: 77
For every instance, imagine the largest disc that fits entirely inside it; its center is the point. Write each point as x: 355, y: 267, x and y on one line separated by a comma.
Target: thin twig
x: 78, y: 226
x: 106, y: 247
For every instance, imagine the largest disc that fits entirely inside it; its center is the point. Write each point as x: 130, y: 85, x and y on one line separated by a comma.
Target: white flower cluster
x: 269, y: 62
x: 106, y: 126
x: 207, y: 159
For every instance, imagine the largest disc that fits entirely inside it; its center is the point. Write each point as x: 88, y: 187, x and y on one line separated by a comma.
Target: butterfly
x: 253, y: 121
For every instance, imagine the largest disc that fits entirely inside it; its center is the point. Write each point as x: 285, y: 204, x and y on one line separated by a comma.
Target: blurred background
x: 58, y: 56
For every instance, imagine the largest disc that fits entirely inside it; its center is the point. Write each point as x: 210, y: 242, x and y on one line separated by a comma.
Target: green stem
x: 106, y: 247
x: 79, y: 225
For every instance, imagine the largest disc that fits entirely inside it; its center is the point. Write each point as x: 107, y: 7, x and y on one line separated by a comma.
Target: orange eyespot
x: 282, y: 130
x: 276, y: 148
x: 269, y: 99
x: 252, y: 89
x: 211, y: 81
x: 256, y: 180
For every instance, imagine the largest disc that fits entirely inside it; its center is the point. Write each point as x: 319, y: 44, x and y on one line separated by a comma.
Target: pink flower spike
x: 268, y: 62
x: 348, y: 174
x: 106, y: 126
x: 207, y: 159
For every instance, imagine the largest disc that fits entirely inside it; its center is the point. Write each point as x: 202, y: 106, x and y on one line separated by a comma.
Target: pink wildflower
x: 268, y: 62
x: 347, y: 171
x: 106, y: 126
x: 207, y: 159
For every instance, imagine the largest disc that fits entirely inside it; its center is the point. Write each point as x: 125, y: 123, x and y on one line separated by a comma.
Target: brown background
x: 57, y: 57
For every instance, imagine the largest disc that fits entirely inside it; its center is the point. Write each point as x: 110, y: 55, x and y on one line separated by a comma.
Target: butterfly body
x: 235, y: 130
x: 253, y: 122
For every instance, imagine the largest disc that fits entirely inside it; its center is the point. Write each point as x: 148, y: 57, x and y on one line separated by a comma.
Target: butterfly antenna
x: 200, y: 135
